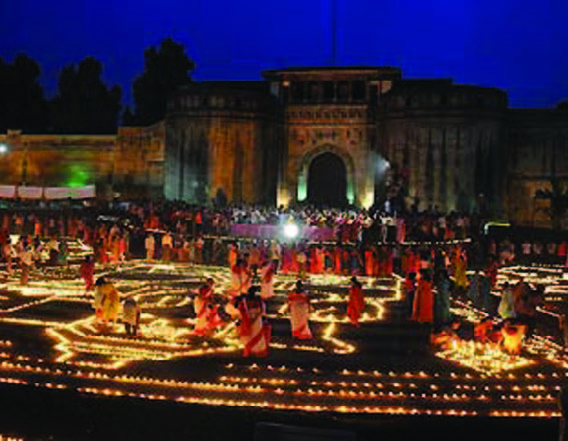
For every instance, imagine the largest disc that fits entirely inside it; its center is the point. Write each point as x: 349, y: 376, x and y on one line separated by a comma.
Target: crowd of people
x: 430, y: 250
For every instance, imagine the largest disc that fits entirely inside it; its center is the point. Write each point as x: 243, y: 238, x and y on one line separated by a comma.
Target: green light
x: 77, y: 177
x: 302, y: 186
x: 350, y: 192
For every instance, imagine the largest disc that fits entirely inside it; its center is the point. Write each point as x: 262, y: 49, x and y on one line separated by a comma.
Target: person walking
x: 150, y: 245
x: 423, y: 310
x: 356, y: 302
x: 87, y: 271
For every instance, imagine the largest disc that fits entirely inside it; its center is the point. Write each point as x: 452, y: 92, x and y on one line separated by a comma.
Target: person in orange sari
x: 380, y: 262
x: 423, y: 308
x: 201, y: 303
x: 412, y: 263
x: 459, y: 267
x: 346, y: 262
x: 103, y: 252
x: 286, y: 259
x: 312, y: 262
x: 369, y: 262
x: 301, y: 260
x: 87, y: 271
x: 337, y: 254
x: 356, y: 303
x: 241, y: 278
x: 122, y: 247
x: 114, y: 248
x: 299, y: 306
x: 38, y: 228
x: 320, y: 259
x: 233, y: 255
x: 253, y: 330
x: 267, y: 273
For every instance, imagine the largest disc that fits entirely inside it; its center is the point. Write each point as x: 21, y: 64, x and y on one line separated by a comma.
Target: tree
x: 22, y: 102
x: 558, y: 196
x: 84, y: 104
x: 128, y: 118
x: 165, y: 69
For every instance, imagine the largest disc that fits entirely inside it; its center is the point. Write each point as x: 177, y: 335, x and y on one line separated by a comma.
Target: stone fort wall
x: 254, y: 142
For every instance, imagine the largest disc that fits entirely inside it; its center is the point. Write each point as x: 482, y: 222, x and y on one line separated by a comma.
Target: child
x: 131, y: 316
x: 87, y: 271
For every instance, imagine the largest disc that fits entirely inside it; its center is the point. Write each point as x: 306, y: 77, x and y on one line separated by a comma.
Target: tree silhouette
x: 165, y: 69
x: 128, y: 118
x: 22, y: 102
x: 558, y: 196
x: 84, y: 104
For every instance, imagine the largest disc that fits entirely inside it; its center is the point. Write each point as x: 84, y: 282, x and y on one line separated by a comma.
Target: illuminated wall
x: 222, y: 139
x: 139, y: 161
x: 57, y: 160
x: 537, y: 150
x: 449, y: 137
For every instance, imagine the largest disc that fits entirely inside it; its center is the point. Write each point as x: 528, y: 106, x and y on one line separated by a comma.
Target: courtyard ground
x: 61, y: 377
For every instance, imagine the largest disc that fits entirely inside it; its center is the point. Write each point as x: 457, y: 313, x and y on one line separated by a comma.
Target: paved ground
x: 62, y: 378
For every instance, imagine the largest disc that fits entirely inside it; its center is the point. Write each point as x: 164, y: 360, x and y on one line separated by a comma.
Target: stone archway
x: 318, y: 158
x: 327, y: 181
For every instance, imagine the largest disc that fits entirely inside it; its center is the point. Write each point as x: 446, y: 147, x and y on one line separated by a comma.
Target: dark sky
x: 518, y: 45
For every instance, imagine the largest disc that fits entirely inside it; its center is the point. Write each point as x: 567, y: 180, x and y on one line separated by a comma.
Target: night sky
x: 518, y: 45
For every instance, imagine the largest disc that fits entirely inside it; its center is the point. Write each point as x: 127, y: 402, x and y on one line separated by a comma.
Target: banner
x: 30, y: 192
x: 73, y: 193
x: 10, y: 191
x: 316, y: 234
x: 7, y: 191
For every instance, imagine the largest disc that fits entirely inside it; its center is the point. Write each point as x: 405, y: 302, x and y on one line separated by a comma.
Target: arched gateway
x: 326, y: 177
x: 327, y: 181
x: 330, y: 110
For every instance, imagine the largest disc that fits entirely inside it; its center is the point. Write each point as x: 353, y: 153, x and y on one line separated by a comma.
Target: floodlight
x: 3, y: 148
x: 291, y: 231
x: 382, y: 165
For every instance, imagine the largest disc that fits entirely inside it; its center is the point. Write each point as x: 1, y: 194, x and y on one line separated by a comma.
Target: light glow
x: 291, y: 231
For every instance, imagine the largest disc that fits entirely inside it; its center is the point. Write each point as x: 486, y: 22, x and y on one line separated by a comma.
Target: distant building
x: 364, y: 133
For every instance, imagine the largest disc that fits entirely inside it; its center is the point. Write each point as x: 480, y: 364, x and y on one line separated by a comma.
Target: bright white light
x: 3, y: 148
x: 382, y: 165
x: 291, y: 230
